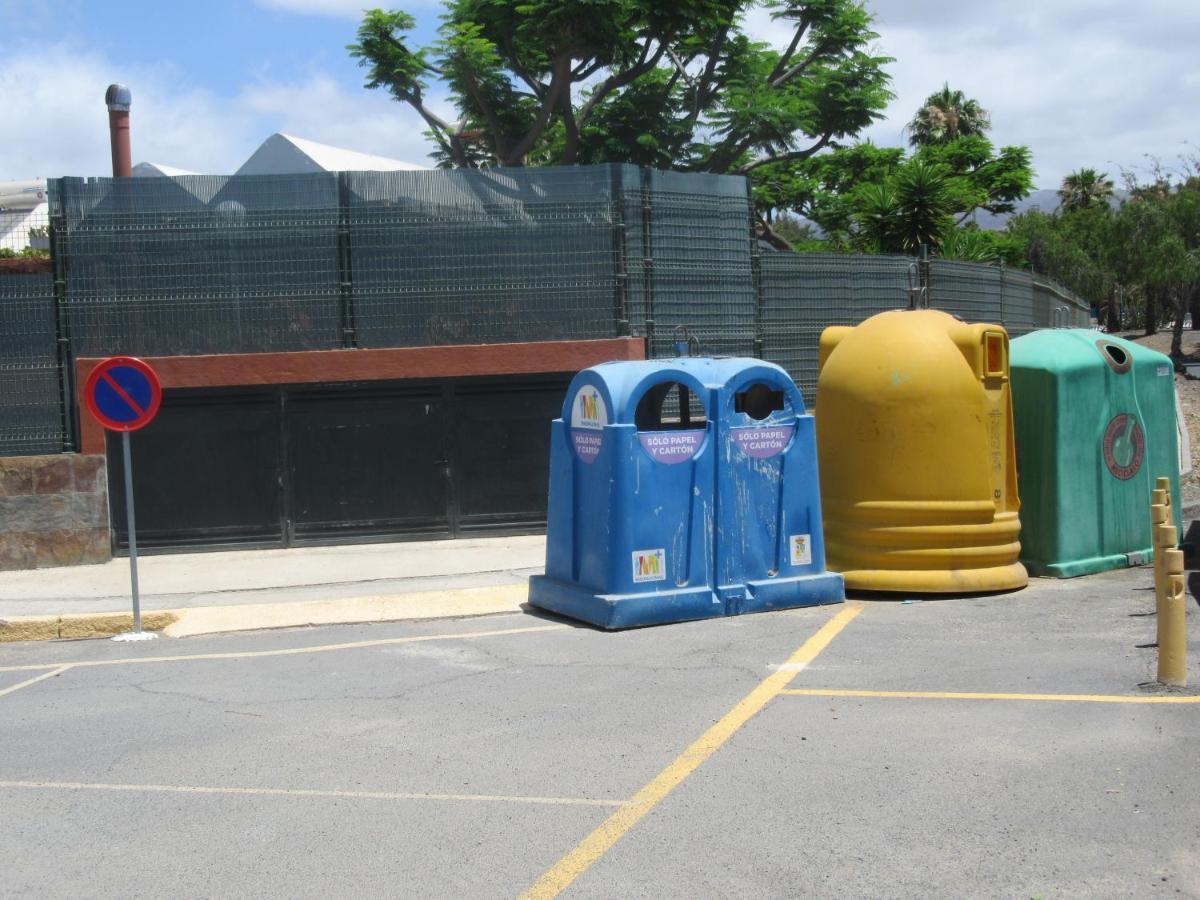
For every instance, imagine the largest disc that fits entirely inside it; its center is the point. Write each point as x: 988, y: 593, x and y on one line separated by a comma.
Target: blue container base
x: 613, y: 611
x: 787, y: 593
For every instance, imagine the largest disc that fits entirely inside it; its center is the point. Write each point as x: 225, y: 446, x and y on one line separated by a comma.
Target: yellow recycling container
x: 915, y: 442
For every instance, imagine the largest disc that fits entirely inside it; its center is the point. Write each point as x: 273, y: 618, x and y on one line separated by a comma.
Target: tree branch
x: 799, y: 67
x: 499, y: 140
x: 704, y: 91
x: 443, y: 132
x: 768, y: 234
x: 620, y: 79
x: 781, y: 157
x: 571, y: 146
x: 680, y: 69
x: 560, y: 78
x: 801, y: 30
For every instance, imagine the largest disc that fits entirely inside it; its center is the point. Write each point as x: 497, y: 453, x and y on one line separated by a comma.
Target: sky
x: 1096, y: 83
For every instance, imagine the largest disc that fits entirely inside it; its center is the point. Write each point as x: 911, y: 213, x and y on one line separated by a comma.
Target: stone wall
x: 53, y: 511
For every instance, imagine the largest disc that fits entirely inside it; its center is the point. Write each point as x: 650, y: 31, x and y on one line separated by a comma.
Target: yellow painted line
x: 960, y: 695
x: 301, y: 792
x: 591, y: 848
x: 24, y: 684
x: 289, y: 651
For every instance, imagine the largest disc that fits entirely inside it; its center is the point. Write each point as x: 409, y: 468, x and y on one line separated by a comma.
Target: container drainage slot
x: 758, y: 401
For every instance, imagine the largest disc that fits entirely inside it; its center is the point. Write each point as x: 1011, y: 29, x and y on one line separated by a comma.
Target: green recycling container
x: 1094, y: 418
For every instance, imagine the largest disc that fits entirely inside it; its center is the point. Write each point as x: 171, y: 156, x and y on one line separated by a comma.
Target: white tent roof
x: 158, y: 170
x: 284, y: 153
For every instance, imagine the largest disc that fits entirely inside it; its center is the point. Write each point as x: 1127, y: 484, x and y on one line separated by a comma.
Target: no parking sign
x: 123, y: 394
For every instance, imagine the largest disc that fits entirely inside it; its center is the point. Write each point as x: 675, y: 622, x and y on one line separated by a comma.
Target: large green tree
x: 677, y: 84
x: 1140, y: 261
x: 875, y: 199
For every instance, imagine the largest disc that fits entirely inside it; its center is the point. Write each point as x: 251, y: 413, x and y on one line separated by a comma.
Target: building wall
x: 54, y: 510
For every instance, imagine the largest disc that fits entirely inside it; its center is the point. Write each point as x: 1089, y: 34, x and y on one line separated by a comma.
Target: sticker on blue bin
x: 762, y: 441
x: 649, y: 565
x: 671, y: 447
x: 589, y: 415
x: 801, y: 549
x: 1164, y: 371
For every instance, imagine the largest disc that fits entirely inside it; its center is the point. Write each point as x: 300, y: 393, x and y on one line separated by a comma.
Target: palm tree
x: 947, y: 115
x: 1083, y: 188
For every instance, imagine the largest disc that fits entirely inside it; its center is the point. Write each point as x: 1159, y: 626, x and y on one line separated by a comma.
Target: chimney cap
x: 118, y: 98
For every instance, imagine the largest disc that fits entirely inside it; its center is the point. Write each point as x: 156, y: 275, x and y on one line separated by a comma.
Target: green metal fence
x: 31, y: 408
x: 207, y: 264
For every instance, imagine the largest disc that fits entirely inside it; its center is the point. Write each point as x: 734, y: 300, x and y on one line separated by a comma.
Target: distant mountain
x: 1045, y: 200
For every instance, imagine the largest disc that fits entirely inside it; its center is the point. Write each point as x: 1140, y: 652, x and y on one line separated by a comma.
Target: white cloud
x: 1081, y: 82
x: 351, y: 9
x: 55, y: 123
x: 346, y: 9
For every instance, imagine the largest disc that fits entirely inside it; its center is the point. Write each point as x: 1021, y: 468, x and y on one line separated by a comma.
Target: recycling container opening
x: 1117, y: 358
x: 758, y: 401
x: 669, y: 406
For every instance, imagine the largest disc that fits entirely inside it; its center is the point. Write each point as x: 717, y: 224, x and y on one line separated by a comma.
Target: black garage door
x: 298, y: 465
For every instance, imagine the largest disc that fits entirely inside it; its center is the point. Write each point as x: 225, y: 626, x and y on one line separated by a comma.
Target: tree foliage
x: 1139, y: 261
x: 946, y: 116
x: 877, y: 199
x: 675, y: 84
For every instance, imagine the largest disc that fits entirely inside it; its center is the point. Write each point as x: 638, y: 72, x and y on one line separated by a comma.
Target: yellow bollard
x: 1160, y: 519
x: 1172, y: 625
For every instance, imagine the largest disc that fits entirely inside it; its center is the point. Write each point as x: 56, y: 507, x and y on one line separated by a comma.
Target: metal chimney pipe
x: 119, y: 99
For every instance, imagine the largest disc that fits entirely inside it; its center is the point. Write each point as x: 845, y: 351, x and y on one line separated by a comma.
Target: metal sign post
x: 123, y: 394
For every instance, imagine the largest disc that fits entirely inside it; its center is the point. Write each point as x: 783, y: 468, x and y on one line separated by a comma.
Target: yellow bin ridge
x: 918, y: 469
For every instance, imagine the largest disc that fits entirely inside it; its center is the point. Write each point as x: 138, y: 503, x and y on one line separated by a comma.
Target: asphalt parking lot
x: 1005, y: 746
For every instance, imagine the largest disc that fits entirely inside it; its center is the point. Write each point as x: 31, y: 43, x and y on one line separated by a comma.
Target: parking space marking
x: 561, y: 875
x: 965, y: 695
x: 57, y: 670
x: 287, y: 651
x: 303, y: 792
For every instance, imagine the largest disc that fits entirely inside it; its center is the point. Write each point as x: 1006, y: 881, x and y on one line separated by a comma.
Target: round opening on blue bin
x: 759, y: 400
x: 670, y: 406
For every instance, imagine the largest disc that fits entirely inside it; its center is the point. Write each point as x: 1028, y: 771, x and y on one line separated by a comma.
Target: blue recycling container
x: 682, y: 489
x: 770, y: 548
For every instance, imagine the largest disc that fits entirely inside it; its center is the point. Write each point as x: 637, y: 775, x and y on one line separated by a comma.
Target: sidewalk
x: 245, y: 589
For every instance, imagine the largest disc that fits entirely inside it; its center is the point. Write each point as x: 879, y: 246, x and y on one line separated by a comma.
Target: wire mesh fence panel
x: 1016, y: 301
x: 1056, y: 307
x: 481, y: 256
x: 198, y: 264
x: 695, y: 264
x: 31, y: 415
x: 971, y: 291
x: 803, y: 294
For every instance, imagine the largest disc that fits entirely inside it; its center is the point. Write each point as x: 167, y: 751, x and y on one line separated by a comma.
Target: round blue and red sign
x: 123, y: 393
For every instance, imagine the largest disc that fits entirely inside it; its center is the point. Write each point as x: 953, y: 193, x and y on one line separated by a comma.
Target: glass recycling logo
x: 1124, y: 446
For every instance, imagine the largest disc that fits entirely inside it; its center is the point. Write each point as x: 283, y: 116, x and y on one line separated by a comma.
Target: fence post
x: 62, y: 323
x: 756, y: 277
x: 621, y: 294
x: 345, y: 265
x: 923, y: 271
x: 647, y: 258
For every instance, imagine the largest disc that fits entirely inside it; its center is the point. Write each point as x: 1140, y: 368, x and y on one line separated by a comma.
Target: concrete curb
x: 443, y: 604
x: 53, y: 628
